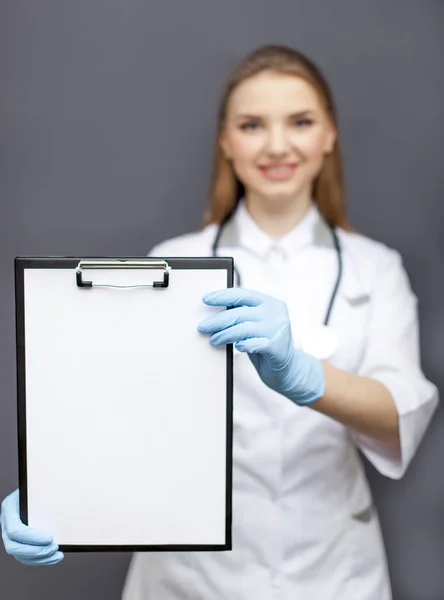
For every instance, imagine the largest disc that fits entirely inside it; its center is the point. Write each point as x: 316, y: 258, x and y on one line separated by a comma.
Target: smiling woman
x: 304, y: 524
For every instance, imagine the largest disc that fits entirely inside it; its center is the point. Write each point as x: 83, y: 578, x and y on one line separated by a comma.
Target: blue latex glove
x: 259, y: 325
x: 27, y: 545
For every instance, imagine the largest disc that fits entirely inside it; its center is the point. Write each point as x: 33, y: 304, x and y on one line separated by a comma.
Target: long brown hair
x: 328, y: 190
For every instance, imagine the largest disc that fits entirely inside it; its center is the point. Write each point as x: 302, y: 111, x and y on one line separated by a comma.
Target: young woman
x: 325, y: 327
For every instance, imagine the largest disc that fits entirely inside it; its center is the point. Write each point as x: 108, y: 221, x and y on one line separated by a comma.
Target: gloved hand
x: 27, y: 545
x: 259, y: 325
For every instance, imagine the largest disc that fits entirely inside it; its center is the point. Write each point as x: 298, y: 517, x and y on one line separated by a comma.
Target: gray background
x: 107, y: 111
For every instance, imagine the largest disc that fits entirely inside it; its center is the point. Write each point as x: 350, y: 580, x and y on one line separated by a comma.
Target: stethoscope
x: 321, y: 341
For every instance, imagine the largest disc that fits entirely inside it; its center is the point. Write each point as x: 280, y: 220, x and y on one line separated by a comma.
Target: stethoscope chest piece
x: 321, y: 341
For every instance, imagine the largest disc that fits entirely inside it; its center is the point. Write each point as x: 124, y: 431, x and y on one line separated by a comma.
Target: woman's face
x: 276, y: 135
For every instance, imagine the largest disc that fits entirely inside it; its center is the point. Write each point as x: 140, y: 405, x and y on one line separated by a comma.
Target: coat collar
x: 242, y: 231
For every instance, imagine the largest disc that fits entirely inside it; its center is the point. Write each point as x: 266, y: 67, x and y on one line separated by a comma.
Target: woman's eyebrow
x: 301, y: 113
x: 248, y: 116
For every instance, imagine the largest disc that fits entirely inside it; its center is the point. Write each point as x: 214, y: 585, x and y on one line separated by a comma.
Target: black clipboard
x: 53, y: 297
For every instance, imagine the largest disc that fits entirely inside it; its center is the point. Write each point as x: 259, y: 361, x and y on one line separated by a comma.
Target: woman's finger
x: 228, y: 318
x: 235, y: 297
x: 238, y: 333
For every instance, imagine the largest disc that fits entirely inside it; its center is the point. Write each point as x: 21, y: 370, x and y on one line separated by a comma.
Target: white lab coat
x: 304, y: 525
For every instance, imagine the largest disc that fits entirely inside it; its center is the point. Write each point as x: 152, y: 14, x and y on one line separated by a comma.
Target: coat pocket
x: 368, y: 576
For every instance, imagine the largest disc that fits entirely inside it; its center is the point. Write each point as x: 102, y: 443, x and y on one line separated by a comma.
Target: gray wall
x: 107, y: 112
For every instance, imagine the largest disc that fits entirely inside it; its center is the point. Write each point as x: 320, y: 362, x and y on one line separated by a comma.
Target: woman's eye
x: 250, y: 126
x: 302, y: 122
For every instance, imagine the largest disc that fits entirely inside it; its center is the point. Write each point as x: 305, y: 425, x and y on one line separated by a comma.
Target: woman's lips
x: 278, y: 171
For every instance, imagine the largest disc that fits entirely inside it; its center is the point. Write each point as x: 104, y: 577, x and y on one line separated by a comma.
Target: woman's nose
x: 277, y: 142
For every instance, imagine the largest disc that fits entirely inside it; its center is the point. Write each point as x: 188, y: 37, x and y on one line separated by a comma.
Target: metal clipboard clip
x: 123, y: 264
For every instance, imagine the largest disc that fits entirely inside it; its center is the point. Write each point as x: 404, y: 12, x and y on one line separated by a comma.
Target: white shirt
x: 304, y: 526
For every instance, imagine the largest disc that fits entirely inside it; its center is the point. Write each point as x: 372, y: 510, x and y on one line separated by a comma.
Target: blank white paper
x: 126, y: 410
